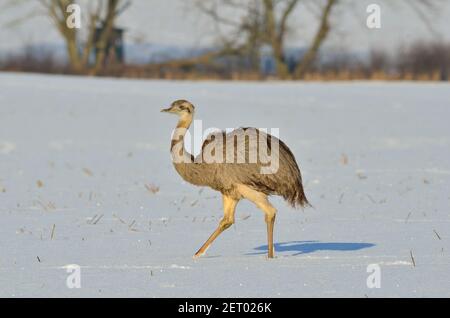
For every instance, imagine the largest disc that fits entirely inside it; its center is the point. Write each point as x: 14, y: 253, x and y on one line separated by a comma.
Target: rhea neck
x: 179, y: 154
x: 185, y: 120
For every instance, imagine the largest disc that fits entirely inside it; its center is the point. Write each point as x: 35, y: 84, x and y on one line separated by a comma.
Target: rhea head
x: 181, y: 107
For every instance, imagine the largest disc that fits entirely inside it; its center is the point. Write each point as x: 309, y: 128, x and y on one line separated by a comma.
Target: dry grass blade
x: 46, y: 206
x: 53, y: 232
x: 361, y: 175
x: 340, y: 198
x: 407, y: 217
x: 344, y: 159
x: 371, y: 199
x: 88, y: 172
x: 437, y: 234
x: 131, y: 228
x: 412, y: 258
x: 122, y: 221
x: 98, y: 219
x: 92, y: 219
x: 152, y: 188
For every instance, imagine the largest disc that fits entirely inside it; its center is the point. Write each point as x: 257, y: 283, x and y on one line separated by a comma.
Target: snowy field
x: 86, y: 178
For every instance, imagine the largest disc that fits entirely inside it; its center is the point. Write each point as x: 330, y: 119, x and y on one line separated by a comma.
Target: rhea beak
x: 166, y: 110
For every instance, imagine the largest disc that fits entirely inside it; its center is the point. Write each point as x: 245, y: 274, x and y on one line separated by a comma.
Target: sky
x: 178, y: 23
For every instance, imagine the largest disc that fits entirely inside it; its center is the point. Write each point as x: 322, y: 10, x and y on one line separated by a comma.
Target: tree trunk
x: 104, y: 38
x: 276, y: 42
x: 320, y: 36
x: 74, y: 56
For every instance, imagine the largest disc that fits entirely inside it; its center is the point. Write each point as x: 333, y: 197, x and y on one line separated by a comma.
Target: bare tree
x: 103, y: 14
x: 258, y: 23
x: 242, y: 20
x: 266, y: 22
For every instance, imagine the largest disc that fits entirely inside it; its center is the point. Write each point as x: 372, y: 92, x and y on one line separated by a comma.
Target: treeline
x: 424, y: 61
x: 255, y: 46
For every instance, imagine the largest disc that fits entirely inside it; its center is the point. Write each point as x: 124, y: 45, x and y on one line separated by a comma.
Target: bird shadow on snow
x: 306, y: 247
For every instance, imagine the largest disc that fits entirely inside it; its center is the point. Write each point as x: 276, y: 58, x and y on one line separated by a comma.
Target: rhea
x: 237, y: 179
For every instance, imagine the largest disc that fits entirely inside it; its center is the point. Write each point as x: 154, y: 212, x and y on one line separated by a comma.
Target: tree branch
x: 322, y: 32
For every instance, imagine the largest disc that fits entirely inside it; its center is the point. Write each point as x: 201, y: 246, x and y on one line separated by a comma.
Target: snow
x: 86, y: 179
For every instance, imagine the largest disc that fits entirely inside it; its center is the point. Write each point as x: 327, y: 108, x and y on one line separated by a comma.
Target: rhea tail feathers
x: 296, y: 197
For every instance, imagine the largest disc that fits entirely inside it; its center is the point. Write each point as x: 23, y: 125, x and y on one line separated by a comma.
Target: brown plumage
x: 227, y: 163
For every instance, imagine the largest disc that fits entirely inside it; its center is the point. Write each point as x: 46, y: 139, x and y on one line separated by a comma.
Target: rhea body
x: 238, y: 180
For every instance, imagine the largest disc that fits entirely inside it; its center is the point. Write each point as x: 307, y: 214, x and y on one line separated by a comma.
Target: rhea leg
x: 261, y: 201
x: 270, y: 221
x: 229, y: 206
